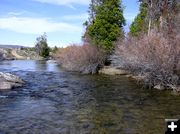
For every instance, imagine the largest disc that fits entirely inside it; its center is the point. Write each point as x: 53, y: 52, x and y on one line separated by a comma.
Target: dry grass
x: 85, y: 59
x: 156, y: 56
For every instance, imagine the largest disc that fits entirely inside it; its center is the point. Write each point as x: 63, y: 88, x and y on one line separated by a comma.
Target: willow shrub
x: 155, y: 56
x: 85, y: 59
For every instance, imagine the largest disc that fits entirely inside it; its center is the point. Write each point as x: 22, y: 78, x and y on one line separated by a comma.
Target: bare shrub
x: 155, y: 56
x: 84, y: 59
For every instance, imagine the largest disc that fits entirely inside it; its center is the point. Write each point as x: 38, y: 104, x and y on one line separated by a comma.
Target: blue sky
x: 21, y: 21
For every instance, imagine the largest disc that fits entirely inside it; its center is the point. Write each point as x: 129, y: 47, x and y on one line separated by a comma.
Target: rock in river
x: 9, y: 81
x: 112, y: 71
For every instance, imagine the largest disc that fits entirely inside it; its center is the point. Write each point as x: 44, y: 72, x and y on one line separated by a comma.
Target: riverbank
x: 110, y: 70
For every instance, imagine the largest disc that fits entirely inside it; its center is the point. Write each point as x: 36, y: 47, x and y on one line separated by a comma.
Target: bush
x: 156, y: 57
x: 85, y: 59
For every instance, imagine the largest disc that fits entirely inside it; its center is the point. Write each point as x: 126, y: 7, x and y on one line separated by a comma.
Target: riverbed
x: 55, y: 101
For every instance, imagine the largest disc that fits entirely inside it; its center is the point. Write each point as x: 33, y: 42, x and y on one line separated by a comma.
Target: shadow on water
x: 54, y: 101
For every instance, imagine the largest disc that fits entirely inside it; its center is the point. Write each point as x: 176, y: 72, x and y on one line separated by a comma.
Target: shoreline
x: 108, y: 70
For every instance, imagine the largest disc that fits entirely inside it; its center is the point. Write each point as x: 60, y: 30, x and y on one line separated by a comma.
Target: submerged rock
x: 112, y: 71
x: 9, y: 81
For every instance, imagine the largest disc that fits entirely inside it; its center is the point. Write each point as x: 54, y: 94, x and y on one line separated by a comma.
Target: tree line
x: 106, y: 20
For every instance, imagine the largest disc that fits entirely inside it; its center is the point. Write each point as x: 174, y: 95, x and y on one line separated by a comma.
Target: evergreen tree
x: 41, y: 46
x: 105, y: 23
x: 93, y: 6
x: 55, y: 49
x: 155, y: 14
x: 93, y: 10
x: 140, y: 24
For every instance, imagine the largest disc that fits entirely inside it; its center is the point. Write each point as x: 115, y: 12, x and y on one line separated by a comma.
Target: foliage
x: 28, y: 48
x: 55, y: 49
x: 84, y: 59
x: 159, y: 14
x: 140, y: 24
x: 93, y: 9
x: 41, y: 46
x: 105, y: 23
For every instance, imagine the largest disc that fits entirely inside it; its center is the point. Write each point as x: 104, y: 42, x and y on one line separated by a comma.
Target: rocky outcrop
x: 5, y: 54
x: 18, y: 54
x: 10, y: 81
x: 26, y: 53
x: 19, y: 57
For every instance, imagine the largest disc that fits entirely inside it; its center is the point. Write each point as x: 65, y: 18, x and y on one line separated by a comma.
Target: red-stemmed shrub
x: 85, y: 59
x: 157, y: 57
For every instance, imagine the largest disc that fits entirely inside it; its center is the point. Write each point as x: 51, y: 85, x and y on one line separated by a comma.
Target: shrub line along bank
x: 151, y: 49
x: 153, y: 60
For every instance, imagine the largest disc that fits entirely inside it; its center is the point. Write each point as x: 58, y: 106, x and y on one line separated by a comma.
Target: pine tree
x: 140, y: 23
x: 106, y: 23
x: 93, y: 10
x: 55, y: 49
x: 155, y: 14
x: 93, y: 6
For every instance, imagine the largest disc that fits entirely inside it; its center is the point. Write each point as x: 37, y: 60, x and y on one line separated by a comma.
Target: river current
x: 54, y: 101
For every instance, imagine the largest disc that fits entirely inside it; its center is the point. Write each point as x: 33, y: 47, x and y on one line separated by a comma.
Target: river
x: 54, y: 101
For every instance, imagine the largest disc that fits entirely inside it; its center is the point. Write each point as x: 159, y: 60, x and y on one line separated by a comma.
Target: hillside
x: 11, y: 46
x: 8, y: 52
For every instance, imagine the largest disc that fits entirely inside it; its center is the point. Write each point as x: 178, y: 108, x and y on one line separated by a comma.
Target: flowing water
x: 57, y: 102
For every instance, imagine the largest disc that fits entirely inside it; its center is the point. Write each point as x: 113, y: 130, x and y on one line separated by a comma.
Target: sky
x: 22, y: 21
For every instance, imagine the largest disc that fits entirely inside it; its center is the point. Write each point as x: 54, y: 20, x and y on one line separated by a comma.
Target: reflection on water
x: 58, y: 102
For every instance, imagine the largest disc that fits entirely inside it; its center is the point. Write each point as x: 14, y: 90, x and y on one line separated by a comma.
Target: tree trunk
x: 150, y: 18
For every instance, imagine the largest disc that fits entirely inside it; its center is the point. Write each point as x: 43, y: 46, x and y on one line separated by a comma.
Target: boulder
x: 159, y: 87
x: 10, y: 81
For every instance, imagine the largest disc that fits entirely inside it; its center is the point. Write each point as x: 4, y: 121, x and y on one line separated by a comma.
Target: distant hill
x: 11, y: 46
